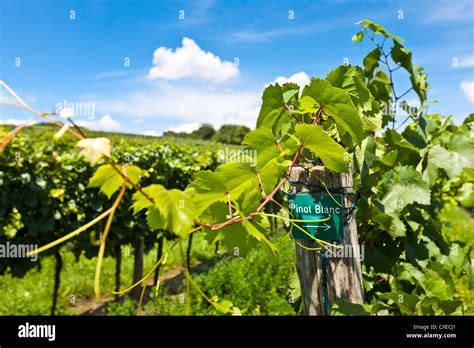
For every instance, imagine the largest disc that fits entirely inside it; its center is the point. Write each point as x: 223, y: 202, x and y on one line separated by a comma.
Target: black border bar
x: 334, y: 331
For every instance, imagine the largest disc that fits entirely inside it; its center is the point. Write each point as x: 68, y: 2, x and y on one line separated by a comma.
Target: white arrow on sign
x: 325, y: 226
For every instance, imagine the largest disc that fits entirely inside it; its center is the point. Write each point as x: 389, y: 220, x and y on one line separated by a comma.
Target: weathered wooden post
x: 324, y: 280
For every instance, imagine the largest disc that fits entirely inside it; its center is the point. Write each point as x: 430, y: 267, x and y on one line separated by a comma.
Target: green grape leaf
x: 404, y: 152
x: 378, y: 29
x: 380, y: 86
x: 465, y: 195
x: 287, y: 95
x: 390, y: 223
x: 404, y: 186
x: 315, y: 139
x: 358, y: 37
x: 405, y: 302
x: 337, y: 104
x: 272, y: 172
x: 251, y: 199
x: 176, y: 209
x: 237, y: 239
x: 352, y: 80
x: 306, y: 104
x: 418, y: 82
x: 109, y: 181
x: 371, y: 62
x: 402, y: 56
x: 155, y: 219
x: 230, y: 178
x: 216, y: 213
x: 263, y: 144
x: 458, y: 156
x: 94, y: 148
x: 416, y: 249
x: 237, y: 177
x: 273, y: 113
x: 398, y: 142
x: 343, y: 307
x: 437, y: 281
x: 208, y: 188
x: 140, y: 201
x: 290, y: 92
x: 257, y: 229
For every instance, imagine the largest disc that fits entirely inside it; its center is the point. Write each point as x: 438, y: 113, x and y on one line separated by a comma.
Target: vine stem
x: 291, y: 113
x: 103, y: 239
x: 390, y: 71
x: 261, y: 184
x: 281, y: 206
x: 229, y: 203
x: 186, y: 271
x: 270, y: 196
x: 70, y: 235
x: 79, y: 134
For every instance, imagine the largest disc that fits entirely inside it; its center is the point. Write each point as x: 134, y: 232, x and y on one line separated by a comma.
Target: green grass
x: 32, y: 294
x: 257, y: 284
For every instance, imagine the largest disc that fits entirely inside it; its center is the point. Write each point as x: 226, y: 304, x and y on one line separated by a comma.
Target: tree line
x: 226, y: 134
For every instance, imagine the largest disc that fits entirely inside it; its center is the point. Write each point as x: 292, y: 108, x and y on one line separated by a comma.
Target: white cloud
x: 151, y: 133
x: 106, y: 123
x: 447, y: 10
x: 259, y: 35
x: 185, y: 128
x: 300, y: 78
x: 15, y: 121
x: 190, y: 61
x: 467, y: 87
x: 187, y: 105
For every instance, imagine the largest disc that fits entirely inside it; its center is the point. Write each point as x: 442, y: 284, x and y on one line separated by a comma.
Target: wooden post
x: 343, y: 275
x: 138, y: 268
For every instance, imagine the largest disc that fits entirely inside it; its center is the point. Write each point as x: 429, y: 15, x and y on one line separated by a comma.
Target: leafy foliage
x: 411, y: 185
x: 109, y: 181
x: 408, y: 183
x: 173, y: 209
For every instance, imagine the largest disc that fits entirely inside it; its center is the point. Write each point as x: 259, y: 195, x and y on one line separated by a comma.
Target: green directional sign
x: 322, y: 215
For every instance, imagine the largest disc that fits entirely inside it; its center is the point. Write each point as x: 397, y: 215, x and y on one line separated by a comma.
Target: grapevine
x: 340, y: 122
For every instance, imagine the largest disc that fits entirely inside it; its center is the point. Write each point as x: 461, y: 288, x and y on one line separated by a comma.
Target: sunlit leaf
x: 94, y: 148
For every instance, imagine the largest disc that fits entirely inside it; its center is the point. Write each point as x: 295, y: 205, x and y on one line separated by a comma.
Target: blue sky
x: 147, y: 66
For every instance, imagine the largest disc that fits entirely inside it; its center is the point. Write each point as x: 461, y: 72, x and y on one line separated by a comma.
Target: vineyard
x: 130, y: 225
